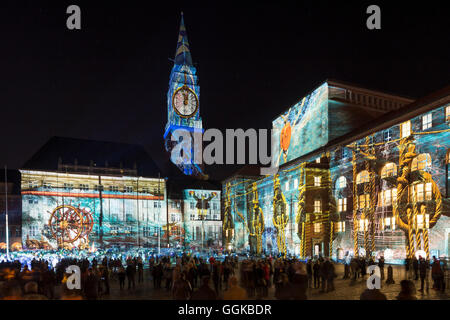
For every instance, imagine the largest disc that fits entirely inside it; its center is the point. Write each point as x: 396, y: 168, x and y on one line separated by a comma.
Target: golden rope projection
x: 280, y: 218
x: 255, y: 222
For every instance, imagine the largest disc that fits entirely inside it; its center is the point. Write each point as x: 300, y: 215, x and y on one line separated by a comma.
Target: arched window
x: 389, y: 170
x: 362, y: 177
x: 421, y: 162
x: 341, y: 182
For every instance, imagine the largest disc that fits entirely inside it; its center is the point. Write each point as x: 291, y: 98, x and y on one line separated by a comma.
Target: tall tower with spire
x: 183, y: 108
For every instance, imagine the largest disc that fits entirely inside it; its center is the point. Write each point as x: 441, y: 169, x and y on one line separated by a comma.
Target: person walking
x: 423, y: 268
x: 331, y: 275
x: 436, y: 274
x: 415, y: 265
x: 140, y: 265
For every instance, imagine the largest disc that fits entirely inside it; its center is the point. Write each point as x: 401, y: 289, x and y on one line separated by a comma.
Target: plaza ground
x: 344, y: 290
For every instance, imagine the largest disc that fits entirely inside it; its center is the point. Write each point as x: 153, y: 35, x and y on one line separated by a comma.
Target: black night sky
x: 109, y: 80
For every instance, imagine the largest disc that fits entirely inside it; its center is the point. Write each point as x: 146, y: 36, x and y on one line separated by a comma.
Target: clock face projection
x: 185, y: 102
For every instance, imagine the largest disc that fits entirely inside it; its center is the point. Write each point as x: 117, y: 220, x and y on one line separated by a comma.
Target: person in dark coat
x: 330, y: 275
x: 324, y: 274
x: 372, y: 294
x: 283, y: 289
x: 381, y: 266
x: 316, y: 271
x: 91, y: 285
x: 131, y: 272
x: 309, y: 272
x: 204, y: 292
x: 122, y: 275
x: 299, y: 282
x: 423, y: 267
x: 415, y: 264
x: 408, y: 290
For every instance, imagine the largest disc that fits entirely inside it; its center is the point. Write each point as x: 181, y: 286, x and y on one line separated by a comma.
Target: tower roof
x: 183, y: 54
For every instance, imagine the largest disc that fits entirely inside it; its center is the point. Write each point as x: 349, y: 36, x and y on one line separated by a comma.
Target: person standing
x: 423, y: 266
x: 131, y: 273
x: 316, y: 270
x: 121, y: 275
x: 408, y: 290
x: 140, y: 265
x: 415, y: 264
x: 323, y: 275
x: 299, y: 282
x: 436, y: 274
x: 309, y: 272
x: 381, y: 266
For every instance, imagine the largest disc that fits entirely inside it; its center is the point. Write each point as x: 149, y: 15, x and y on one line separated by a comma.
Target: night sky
x: 109, y: 80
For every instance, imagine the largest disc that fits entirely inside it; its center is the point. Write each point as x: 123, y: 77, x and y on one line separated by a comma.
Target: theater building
x: 361, y: 172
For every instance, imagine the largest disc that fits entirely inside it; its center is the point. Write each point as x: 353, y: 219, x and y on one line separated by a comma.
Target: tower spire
x: 183, y: 54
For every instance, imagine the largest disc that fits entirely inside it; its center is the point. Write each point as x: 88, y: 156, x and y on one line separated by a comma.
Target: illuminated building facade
x: 83, y: 205
x: 354, y: 179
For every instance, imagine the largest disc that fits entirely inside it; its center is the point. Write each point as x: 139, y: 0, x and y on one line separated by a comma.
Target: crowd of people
x: 188, y: 277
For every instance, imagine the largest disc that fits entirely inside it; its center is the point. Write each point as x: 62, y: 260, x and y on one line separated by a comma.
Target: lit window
x: 295, y: 183
x: 342, y: 205
x: 447, y: 114
x: 421, y: 162
x: 318, y: 160
x: 363, y: 225
x: 427, y: 121
x: 340, y: 226
x: 364, y: 201
x: 362, y: 177
x: 406, y: 129
x: 287, y: 185
x: 389, y: 170
x: 317, y: 227
x: 419, y: 192
x: 317, y: 206
x: 192, y: 205
x: 428, y: 191
x: 341, y: 182
x: 317, y: 181
x: 387, y: 135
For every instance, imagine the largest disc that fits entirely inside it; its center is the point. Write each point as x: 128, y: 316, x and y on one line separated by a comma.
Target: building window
x: 146, y: 232
x: 387, y: 135
x: 427, y: 121
x: 114, y: 230
x: 364, y: 201
x: 318, y: 160
x: 174, y: 217
x: 145, y: 190
x: 68, y: 186
x: 128, y: 189
x: 317, y: 227
x: 341, y: 182
x: 84, y: 187
x: 362, y: 177
x: 128, y: 229
x: 389, y: 197
x: 339, y: 226
x: 33, y: 231
x: 389, y: 170
x: 295, y: 183
x: 192, y: 216
x: 421, y: 162
x: 113, y: 188
x: 447, y: 114
x: 115, y: 217
x: 129, y: 217
x: 317, y: 181
x: 317, y: 206
x: 342, y: 205
x: 405, y: 129
x: 422, y: 191
x: 363, y: 225
x: 287, y: 185
x: 47, y: 185
x: 192, y: 205
x: 98, y: 187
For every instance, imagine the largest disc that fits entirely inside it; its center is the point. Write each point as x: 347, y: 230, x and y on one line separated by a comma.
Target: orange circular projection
x: 285, y: 137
